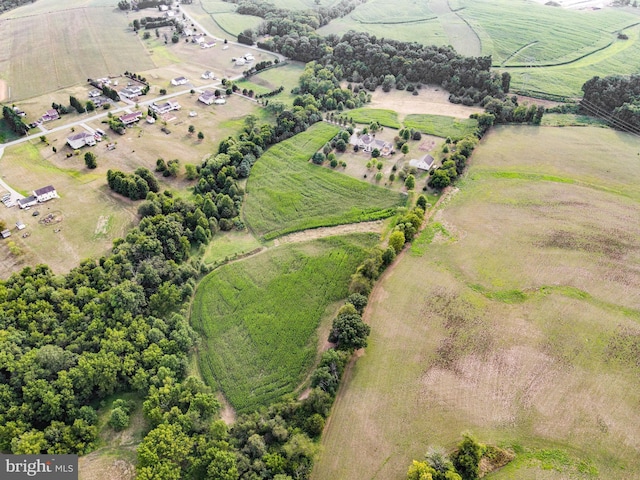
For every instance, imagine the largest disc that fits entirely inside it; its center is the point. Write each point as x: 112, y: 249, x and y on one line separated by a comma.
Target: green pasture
x: 258, y: 317
x: 233, y: 24
x: 303, y: 4
x: 272, y: 78
x: 83, y: 48
x: 287, y: 193
x: 519, y: 304
x: 229, y: 246
x: 386, y: 118
x: 441, y: 126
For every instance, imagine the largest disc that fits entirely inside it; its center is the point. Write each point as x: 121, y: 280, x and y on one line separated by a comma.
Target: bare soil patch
x: 323, y: 232
x: 4, y: 91
x: 430, y: 100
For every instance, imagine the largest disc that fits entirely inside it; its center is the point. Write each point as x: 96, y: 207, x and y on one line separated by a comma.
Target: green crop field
x: 258, y: 317
x: 515, y: 316
x: 83, y: 48
x: 441, y: 126
x: 234, y: 24
x: 386, y: 118
x: 287, y: 193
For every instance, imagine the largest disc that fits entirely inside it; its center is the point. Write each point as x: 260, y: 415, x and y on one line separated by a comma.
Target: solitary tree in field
x: 90, y: 160
x: 192, y: 129
x: 200, y: 136
x: 410, y: 182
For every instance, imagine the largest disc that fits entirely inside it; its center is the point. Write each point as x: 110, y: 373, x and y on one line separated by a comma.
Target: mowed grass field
x: 43, y: 52
x: 441, y: 126
x: 258, y: 316
x: 516, y: 316
x: 386, y: 118
x: 268, y: 80
x: 287, y: 193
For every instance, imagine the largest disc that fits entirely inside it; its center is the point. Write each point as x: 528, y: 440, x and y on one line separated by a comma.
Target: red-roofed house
x: 130, y: 118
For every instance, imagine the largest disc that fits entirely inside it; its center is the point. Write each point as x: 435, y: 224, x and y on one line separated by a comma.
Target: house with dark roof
x: 81, y: 139
x: 130, y: 118
x: 50, y: 115
x: 207, y: 97
x: 424, y: 163
x: 161, y: 108
x: 45, y: 193
x: 27, y: 201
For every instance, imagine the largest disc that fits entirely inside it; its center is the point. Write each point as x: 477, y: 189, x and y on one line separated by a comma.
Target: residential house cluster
x: 368, y: 143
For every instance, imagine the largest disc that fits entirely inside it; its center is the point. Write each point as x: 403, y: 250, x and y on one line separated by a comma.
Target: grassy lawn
x: 268, y: 80
x: 519, y: 304
x: 229, y: 245
x: 286, y: 192
x: 441, y: 126
x: 258, y: 317
x: 386, y: 118
x: 88, y: 215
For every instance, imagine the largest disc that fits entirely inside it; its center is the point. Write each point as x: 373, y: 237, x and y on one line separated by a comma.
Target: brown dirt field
x: 4, y: 91
x: 104, y: 464
x: 431, y: 100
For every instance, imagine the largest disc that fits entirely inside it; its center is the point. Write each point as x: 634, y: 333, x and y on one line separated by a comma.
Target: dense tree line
x: 10, y: 4
x: 75, y: 103
x: 14, y: 120
x: 615, y: 98
x: 106, y: 326
x: 368, y: 60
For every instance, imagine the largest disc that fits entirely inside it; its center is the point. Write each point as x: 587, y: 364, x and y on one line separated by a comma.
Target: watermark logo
x: 45, y: 467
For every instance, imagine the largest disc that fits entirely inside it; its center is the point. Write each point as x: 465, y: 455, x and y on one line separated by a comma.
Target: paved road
x: 89, y: 117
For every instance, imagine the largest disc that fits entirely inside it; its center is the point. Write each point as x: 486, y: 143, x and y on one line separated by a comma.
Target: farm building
x: 27, y: 202
x: 165, y: 107
x: 50, y: 115
x: 248, y: 57
x: 220, y: 101
x: 207, y: 97
x: 150, y: 119
x: 208, y: 75
x: 130, y: 118
x: 20, y: 225
x: 5, y: 233
x: 45, y: 193
x: 368, y: 143
x: 199, y: 39
x: 207, y: 44
x: 94, y: 93
x: 425, y: 163
x: 240, y: 61
x: 81, y: 139
x: 179, y: 81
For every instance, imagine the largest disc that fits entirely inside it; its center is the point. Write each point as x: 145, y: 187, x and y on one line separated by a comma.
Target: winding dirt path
x: 322, y: 232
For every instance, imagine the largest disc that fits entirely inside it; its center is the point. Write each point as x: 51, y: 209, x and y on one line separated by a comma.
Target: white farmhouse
x: 81, y: 139
x: 179, y: 81
x: 45, y: 193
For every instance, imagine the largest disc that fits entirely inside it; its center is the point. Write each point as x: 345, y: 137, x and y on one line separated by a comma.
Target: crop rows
x: 259, y: 316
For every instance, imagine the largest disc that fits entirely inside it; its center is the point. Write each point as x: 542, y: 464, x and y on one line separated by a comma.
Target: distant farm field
x: 514, y: 316
x: 286, y: 192
x: 258, y: 317
x: 269, y: 80
x: 86, y: 43
x: 441, y: 126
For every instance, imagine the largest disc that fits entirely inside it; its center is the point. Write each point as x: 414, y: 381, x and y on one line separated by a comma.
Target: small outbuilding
x: 5, y: 233
x: 20, y: 225
x: 425, y: 163
x: 179, y: 81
